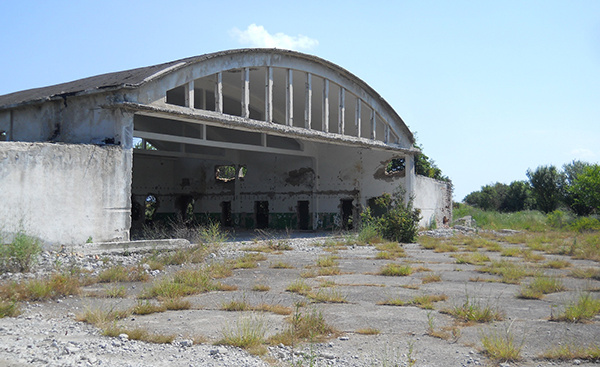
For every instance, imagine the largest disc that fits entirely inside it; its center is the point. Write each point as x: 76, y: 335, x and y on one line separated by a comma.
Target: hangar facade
x: 251, y: 138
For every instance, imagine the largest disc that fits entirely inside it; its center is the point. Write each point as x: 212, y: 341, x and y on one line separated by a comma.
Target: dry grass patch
x: 431, y: 278
x: 389, y: 251
x: 281, y: 265
x: 423, y: 301
x: 510, y: 272
x: 501, y: 346
x: 474, y: 311
x: 570, y: 351
x: 556, y: 264
x: 308, y: 325
x: 328, y: 295
x: 184, y: 283
x: 473, y: 258
x: 261, y: 288
x: 57, y: 285
x: 248, y: 261
x: 276, y: 309
x: 147, y: 308
x: 541, y: 286
x: 395, y: 270
x: 299, y: 286
x: 247, y: 333
x: 176, y: 304
x: 368, y: 331
x: 9, y: 309
x: 586, y: 273
x: 585, y: 308
x: 121, y: 273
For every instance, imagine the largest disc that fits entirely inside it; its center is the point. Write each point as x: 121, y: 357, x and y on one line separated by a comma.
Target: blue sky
x: 490, y: 88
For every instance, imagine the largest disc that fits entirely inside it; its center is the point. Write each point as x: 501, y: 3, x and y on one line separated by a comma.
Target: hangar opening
x: 254, y: 138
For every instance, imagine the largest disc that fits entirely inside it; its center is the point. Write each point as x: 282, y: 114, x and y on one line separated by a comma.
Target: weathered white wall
x: 434, y: 198
x: 65, y: 193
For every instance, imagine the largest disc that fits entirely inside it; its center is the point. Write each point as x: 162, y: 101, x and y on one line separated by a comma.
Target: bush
x: 399, y: 221
x: 20, y: 254
x: 586, y: 224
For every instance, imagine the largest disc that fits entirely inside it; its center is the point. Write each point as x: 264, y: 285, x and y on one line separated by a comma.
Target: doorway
x: 303, y: 215
x: 261, y: 211
x: 347, y: 213
x: 226, y: 214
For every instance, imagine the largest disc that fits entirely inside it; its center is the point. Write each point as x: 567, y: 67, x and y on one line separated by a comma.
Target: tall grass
x: 524, y: 220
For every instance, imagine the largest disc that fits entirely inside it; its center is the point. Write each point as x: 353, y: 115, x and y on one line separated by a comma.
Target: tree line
x: 576, y: 186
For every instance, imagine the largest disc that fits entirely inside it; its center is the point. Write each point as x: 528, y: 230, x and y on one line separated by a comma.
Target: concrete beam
x: 235, y: 122
x: 217, y: 144
x: 373, y: 124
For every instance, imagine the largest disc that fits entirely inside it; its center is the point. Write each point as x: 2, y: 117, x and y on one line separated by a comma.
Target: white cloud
x: 583, y: 154
x: 258, y: 36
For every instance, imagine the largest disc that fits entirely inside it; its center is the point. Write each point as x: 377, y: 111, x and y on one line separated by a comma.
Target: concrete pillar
x: 357, y: 117
x: 219, y: 93
x: 269, y: 95
x: 373, y: 124
x: 246, y: 93
x: 289, y: 98
x: 325, y: 108
x: 342, y: 111
x: 308, y: 102
x: 189, y: 95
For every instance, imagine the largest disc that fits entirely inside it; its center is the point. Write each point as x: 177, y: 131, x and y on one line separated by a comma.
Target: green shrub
x: 399, y: 221
x: 586, y: 224
x: 20, y: 254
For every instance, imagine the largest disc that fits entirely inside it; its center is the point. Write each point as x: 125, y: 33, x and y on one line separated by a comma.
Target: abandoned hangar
x: 252, y: 138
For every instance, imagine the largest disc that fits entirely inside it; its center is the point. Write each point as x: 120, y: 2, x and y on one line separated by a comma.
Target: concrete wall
x: 434, y: 198
x: 65, y: 193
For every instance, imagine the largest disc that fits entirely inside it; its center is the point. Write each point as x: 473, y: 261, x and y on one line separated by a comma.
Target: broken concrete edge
x: 127, y: 247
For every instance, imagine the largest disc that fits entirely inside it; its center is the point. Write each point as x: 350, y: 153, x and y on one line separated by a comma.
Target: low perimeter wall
x: 434, y: 198
x: 65, y: 193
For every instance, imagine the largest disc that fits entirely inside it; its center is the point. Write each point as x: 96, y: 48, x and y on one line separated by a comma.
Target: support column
x: 189, y: 95
x: 357, y: 117
x: 219, y: 93
x: 269, y: 95
x: 308, y: 102
x: 246, y: 93
x: 325, y: 120
x: 342, y: 111
x: 387, y: 134
x: 289, y: 98
x: 373, y: 124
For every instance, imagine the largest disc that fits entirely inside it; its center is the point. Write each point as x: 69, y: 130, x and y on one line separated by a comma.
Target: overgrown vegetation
x: 475, y: 311
x: 20, y: 254
x: 576, y: 187
x: 392, y: 219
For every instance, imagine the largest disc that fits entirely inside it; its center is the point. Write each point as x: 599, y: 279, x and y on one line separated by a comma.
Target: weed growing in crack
x: 571, y: 351
x: 247, y: 333
x: 584, y: 308
x: 501, y: 346
x: 474, y: 311
x: 395, y: 270
x: 540, y: 286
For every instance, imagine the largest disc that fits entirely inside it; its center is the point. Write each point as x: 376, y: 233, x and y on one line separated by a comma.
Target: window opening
x: 347, y: 213
x: 3, y: 136
x: 185, y: 205
x: 394, y: 166
x: 261, y: 210
x: 176, y: 96
x: 225, y: 173
x: 143, y: 144
x: 242, y: 172
x: 151, y: 205
x: 303, y: 215
x: 226, y: 214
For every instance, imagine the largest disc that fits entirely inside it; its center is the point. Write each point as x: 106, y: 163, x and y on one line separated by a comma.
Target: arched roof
x: 136, y: 78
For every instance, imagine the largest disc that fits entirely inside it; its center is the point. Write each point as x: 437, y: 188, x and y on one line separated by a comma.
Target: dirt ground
x: 403, y: 332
